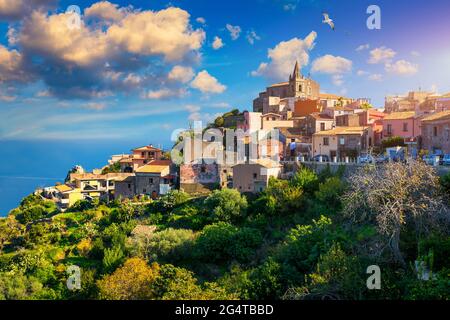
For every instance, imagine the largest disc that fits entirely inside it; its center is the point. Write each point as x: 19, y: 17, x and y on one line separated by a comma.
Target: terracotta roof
x: 280, y: 84
x: 376, y: 113
x: 63, y: 188
x: 341, y: 131
x: 152, y: 168
x: 160, y: 163
x: 444, y: 115
x: 331, y: 96
x: 319, y: 116
x: 147, y: 148
x: 91, y: 176
x: 400, y: 115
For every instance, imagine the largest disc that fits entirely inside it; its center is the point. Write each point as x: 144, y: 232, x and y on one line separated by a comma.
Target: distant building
x: 154, y: 179
x: 341, y: 142
x: 436, y: 132
x: 254, y: 177
x: 316, y: 122
x: 401, y: 124
x: 298, y: 86
x: 251, y: 123
x: 328, y: 100
x: 143, y: 155
x: 409, y: 102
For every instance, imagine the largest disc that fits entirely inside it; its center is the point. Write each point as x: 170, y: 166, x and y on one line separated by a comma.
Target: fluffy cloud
x: 16, y: 9
x: 283, y: 57
x: 11, y: 66
x: 207, y: 83
x: 217, y: 43
x: 381, y: 55
x: 235, y: 31
x: 338, y: 80
x: 252, y: 37
x: 402, y: 68
x: 165, y: 93
x: 181, y: 74
x: 331, y: 65
x: 105, y: 10
x: 134, y: 49
x: 361, y: 73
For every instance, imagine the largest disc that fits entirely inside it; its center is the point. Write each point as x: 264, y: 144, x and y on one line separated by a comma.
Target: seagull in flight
x: 327, y: 20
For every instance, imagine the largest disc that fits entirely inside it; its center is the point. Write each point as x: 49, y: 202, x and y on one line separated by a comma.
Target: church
x: 298, y: 87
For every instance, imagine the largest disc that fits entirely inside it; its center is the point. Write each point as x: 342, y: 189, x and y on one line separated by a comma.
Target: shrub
x: 226, y: 205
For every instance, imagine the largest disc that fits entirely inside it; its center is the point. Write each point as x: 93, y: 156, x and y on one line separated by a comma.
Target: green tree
x: 226, y: 205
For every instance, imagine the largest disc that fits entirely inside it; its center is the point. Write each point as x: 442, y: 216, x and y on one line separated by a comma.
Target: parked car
x: 429, y: 159
x: 446, y: 160
x: 325, y: 158
x: 382, y: 158
x: 367, y: 158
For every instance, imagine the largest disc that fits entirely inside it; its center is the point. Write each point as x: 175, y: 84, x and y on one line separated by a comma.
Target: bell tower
x: 296, y: 82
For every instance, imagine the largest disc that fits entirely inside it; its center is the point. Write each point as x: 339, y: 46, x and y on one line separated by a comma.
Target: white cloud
x: 331, y: 65
x: 192, y: 108
x: 376, y: 77
x: 105, y: 10
x: 201, y: 20
x: 363, y: 47
x: 11, y: 66
x: 181, y: 74
x: 252, y: 37
x: 381, y: 55
x: 402, y: 68
x: 16, y: 9
x: 207, y: 83
x: 235, y: 31
x: 415, y: 53
x: 164, y: 93
x: 132, y: 79
x: 217, y: 43
x: 283, y: 57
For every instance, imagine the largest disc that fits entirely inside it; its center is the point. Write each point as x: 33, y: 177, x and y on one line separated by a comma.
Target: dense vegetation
x: 312, y: 237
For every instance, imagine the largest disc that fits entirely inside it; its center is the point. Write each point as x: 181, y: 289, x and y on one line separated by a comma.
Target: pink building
x: 251, y: 123
x: 401, y: 124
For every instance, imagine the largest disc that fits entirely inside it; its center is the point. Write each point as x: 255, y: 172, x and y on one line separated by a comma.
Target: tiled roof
x: 147, y: 148
x: 280, y: 84
x: 319, y: 116
x: 400, y: 115
x: 149, y: 168
x: 331, y: 96
x: 341, y: 131
x: 438, y: 116
x: 63, y: 188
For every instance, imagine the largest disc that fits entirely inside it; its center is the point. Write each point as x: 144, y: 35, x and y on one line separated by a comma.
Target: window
x: 255, y: 175
x: 144, y: 190
x: 143, y: 154
x: 389, y: 128
x: 293, y: 140
x: 405, y: 126
x: 129, y: 186
x: 326, y: 141
x: 273, y: 118
x: 435, y: 131
x: 203, y: 169
x: 341, y: 141
x: 150, y: 180
x: 322, y: 126
x: 300, y: 88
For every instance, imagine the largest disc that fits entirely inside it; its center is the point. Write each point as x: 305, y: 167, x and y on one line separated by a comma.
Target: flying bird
x: 327, y: 20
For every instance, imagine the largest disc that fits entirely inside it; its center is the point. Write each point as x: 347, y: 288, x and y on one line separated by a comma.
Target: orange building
x: 303, y: 108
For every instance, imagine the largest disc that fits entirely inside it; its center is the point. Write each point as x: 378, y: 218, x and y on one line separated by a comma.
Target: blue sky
x: 137, y: 70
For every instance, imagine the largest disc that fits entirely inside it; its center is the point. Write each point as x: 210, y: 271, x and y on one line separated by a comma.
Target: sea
x: 27, y: 165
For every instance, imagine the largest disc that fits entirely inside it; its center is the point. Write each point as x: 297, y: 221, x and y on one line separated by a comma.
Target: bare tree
x: 396, y: 195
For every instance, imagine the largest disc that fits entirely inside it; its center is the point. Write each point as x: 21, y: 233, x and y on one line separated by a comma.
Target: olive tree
x: 395, y: 196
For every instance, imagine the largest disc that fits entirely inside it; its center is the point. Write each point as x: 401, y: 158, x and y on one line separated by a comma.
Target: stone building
x: 298, y: 86
x: 436, y: 133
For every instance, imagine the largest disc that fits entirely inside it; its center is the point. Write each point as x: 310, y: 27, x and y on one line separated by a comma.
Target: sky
x: 138, y: 70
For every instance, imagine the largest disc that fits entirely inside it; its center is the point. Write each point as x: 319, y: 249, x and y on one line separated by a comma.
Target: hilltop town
x: 312, y: 128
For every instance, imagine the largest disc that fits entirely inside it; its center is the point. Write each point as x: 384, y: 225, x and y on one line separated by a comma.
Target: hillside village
x: 312, y: 127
